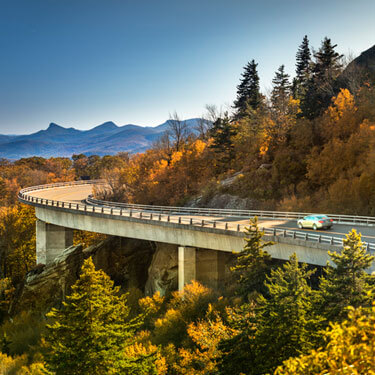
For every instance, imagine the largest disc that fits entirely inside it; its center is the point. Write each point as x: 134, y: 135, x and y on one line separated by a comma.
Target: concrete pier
x: 51, y: 241
x: 187, y: 265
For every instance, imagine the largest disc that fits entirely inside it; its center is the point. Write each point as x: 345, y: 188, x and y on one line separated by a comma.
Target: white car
x: 315, y: 222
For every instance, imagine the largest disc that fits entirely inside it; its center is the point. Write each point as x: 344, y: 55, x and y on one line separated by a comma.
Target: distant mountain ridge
x: 105, y: 139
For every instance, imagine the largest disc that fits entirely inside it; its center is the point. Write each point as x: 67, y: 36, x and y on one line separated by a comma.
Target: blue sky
x: 83, y: 62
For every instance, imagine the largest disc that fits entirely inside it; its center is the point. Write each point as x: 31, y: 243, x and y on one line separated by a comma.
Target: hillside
x: 104, y: 139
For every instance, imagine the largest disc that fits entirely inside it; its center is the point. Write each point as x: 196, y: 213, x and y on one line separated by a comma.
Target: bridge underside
x: 54, y: 234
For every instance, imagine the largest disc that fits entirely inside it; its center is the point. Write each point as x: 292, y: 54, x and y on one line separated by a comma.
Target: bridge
x: 202, y: 236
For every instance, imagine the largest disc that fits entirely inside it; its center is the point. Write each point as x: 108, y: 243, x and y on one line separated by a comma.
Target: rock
x: 227, y: 201
x: 163, y: 271
x: 125, y: 260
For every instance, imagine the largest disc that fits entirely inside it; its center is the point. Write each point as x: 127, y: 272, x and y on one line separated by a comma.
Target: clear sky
x: 83, y: 62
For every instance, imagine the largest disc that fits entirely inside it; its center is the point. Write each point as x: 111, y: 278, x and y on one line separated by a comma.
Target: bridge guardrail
x: 339, y: 219
x: 159, y: 213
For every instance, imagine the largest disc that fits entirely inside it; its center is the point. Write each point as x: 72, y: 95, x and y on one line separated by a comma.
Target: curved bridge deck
x: 65, y: 206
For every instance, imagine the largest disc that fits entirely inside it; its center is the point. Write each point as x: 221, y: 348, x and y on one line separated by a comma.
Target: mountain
x: 366, y: 60
x: 104, y: 139
x: 361, y: 70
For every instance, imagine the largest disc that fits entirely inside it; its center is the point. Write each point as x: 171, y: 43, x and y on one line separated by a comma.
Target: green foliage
x: 286, y: 323
x: 253, y: 263
x: 222, y: 133
x: 347, y: 283
x: 22, y: 334
x: 303, y: 69
x: 320, y: 87
x: 281, y: 91
x: 248, y: 94
x: 90, y: 334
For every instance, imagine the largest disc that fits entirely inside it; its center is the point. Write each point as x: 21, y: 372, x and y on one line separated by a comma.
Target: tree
x: 303, y: 60
x: 286, y: 323
x: 222, y: 133
x: 92, y: 332
x: 248, y: 94
x: 281, y: 91
x: 321, y: 86
x: 17, y: 241
x: 253, y: 263
x: 349, y: 349
x: 303, y: 69
x: 327, y: 61
x: 346, y: 284
x: 177, y: 130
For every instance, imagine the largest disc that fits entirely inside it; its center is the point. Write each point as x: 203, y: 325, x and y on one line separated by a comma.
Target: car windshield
x: 321, y: 217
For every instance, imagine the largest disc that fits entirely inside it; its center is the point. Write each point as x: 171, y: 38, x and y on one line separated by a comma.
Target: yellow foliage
x: 206, y: 334
x: 152, y: 304
x: 18, y: 366
x: 343, y: 102
x: 350, y: 349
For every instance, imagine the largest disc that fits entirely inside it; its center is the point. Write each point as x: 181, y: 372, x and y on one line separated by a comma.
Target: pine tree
x: 281, y: 91
x: 222, y: 132
x: 253, y: 263
x: 90, y: 334
x: 347, y: 283
x: 320, y: 88
x: 248, y: 94
x: 303, y: 68
x: 327, y: 61
x: 286, y: 324
x: 303, y: 60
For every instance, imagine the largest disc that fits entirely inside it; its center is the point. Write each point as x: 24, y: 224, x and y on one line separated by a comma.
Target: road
x: 77, y: 194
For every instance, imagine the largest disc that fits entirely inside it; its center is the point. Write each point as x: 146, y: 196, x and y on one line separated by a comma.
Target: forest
x: 307, y: 146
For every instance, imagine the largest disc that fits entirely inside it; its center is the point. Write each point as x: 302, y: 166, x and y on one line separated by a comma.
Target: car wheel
x: 300, y: 226
x: 315, y: 227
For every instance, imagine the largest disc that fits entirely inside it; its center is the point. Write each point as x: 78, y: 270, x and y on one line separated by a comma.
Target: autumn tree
x: 349, y: 349
x: 207, y: 334
x: 177, y: 130
x: 17, y: 241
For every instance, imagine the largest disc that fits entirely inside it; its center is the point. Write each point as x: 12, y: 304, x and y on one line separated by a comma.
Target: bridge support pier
x: 51, y: 240
x: 211, y: 267
x: 186, y: 265
x: 203, y: 265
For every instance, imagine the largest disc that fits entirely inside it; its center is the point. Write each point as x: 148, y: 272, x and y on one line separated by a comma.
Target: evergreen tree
x: 90, y: 334
x: 347, y: 283
x: 303, y: 68
x: 303, y: 60
x: 253, y: 263
x: 327, y: 61
x: 222, y: 132
x: 286, y: 324
x: 248, y: 94
x: 320, y: 88
x: 281, y: 91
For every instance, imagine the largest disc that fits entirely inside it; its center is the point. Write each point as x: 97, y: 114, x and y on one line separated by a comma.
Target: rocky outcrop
x: 125, y: 260
x: 223, y: 201
x: 162, y: 273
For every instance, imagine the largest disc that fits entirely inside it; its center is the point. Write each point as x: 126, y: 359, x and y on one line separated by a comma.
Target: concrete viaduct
x: 203, y: 236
